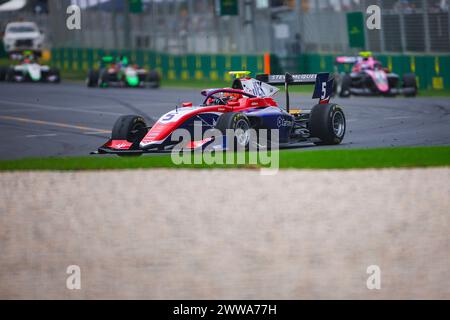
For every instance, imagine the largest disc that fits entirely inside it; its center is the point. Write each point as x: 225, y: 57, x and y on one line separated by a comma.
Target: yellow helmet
x: 366, y: 54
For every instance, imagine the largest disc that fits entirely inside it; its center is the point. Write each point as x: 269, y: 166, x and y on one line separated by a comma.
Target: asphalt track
x: 40, y: 120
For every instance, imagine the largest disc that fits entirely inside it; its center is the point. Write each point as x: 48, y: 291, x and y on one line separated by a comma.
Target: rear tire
x: 410, y: 83
x: 154, y: 79
x: 327, y: 122
x: 92, y: 79
x: 235, y: 121
x: 55, y: 72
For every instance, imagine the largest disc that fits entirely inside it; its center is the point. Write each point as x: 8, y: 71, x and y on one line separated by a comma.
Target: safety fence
x: 433, y: 72
x: 171, y: 67
x: 283, y: 27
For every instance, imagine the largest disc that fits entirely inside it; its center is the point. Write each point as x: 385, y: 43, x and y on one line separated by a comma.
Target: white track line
x: 398, y: 118
x: 41, y: 135
x: 97, y: 132
x: 53, y: 124
x: 46, y: 107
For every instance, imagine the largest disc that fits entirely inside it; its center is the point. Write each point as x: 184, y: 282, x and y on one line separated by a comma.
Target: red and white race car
x: 245, y: 107
x: 369, y: 78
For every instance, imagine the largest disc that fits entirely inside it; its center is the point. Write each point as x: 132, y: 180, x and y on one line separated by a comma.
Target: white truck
x: 20, y: 36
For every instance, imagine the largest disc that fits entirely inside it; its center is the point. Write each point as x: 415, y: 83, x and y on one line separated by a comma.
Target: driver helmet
x: 366, y: 55
x: 28, y: 56
x: 232, y: 96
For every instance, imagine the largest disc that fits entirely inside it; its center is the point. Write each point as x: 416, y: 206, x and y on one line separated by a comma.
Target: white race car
x: 28, y: 70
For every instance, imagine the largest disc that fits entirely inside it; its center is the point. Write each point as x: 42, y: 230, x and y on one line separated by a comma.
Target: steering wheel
x: 217, y: 100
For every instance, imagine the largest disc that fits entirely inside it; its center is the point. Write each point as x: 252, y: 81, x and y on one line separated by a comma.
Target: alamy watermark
x: 73, y: 21
x: 373, y: 21
x: 235, y: 147
x: 73, y: 281
x: 374, y: 280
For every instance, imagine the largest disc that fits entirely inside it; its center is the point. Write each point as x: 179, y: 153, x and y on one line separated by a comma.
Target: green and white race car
x: 29, y: 70
x: 120, y: 72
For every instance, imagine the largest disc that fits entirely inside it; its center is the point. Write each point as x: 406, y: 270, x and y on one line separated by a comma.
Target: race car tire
x: 104, y: 80
x: 131, y: 128
x: 55, y: 72
x: 3, y: 72
x: 10, y: 73
x: 154, y: 79
x: 410, y: 82
x: 344, y: 86
x: 327, y: 122
x: 240, y: 124
x: 92, y: 79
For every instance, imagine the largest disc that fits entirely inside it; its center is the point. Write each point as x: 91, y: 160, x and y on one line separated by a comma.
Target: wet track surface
x: 39, y: 120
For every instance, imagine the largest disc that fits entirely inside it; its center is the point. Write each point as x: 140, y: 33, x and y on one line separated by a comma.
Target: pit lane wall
x: 433, y: 71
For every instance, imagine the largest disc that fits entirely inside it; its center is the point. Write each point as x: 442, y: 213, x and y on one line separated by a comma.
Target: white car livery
x: 30, y: 72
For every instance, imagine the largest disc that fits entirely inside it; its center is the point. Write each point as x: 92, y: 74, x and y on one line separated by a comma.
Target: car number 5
x: 168, y: 117
x: 324, y: 91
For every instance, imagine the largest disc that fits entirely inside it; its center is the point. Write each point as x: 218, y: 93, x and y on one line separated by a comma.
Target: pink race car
x: 369, y: 78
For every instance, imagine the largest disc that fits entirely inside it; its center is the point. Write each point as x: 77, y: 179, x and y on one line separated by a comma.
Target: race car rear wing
x: 353, y: 60
x: 322, y: 90
x: 292, y: 79
x: 346, y: 60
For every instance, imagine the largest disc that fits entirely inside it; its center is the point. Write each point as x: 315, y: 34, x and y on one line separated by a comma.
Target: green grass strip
x: 367, y: 158
x: 320, y: 159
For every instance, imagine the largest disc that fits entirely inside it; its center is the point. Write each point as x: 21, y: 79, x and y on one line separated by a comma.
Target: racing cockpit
x: 223, y: 96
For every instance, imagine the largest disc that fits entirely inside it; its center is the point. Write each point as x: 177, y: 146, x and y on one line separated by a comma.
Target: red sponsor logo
x: 119, y: 144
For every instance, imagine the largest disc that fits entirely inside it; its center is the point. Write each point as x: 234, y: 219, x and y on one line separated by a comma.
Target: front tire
x: 328, y: 123
x: 130, y: 128
x: 3, y: 72
x: 10, y: 75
